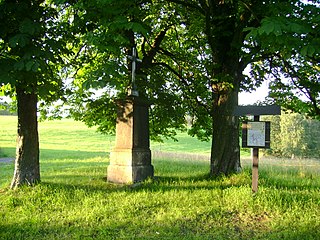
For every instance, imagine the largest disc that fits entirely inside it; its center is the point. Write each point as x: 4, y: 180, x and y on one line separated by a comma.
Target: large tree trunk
x: 224, y: 31
x: 27, y: 167
x: 225, y: 150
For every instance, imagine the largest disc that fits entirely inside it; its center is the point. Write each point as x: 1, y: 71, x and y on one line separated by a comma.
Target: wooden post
x: 255, y: 173
x: 255, y: 164
x: 256, y: 111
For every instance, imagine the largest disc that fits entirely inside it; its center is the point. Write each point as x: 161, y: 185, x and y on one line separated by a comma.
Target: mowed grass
x: 74, y: 201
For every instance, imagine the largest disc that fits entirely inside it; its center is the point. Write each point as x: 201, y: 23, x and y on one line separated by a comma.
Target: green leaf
x: 136, y: 27
x: 308, y: 50
x: 267, y: 27
x: 29, y: 27
x: 19, y: 66
x: 297, y: 28
x: 29, y: 65
x: 5, y: 89
x: 277, y: 30
x: 253, y: 33
x: 20, y: 40
x: 35, y: 67
x: 86, y: 85
x: 247, y: 29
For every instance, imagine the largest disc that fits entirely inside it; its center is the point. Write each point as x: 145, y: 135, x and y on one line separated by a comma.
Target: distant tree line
x: 7, y: 109
x: 7, y: 113
x: 294, y: 135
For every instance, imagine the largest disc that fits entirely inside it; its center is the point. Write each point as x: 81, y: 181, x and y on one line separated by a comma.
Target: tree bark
x: 225, y: 149
x: 224, y: 31
x: 27, y: 167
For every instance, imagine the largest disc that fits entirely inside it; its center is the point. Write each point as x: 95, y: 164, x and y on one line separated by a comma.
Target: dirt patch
x: 179, y: 155
x: 6, y: 160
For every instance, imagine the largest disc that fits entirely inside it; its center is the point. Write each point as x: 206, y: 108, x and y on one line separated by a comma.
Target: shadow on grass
x: 56, y: 154
x: 6, y: 152
x: 79, y: 169
x: 91, y: 176
x: 99, y: 184
x: 181, y: 229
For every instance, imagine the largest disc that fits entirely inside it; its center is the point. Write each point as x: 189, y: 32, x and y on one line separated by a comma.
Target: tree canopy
x: 193, y: 55
x: 34, y: 37
x: 290, y: 48
x: 32, y: 46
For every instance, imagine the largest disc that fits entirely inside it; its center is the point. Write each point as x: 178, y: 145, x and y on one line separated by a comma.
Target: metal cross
x: 133, y: 91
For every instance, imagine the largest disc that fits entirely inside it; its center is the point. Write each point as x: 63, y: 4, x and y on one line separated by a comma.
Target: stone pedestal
x: 130, y: 160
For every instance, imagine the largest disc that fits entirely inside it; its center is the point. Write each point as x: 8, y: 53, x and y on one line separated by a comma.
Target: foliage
x: 193, y: 55
x: 104, y: 65
x: 294, y: 135
x: 33, y: 44
x: 289, y: 42
x: 7, y: 108
x: 179, y: 49
x: 178, y: 69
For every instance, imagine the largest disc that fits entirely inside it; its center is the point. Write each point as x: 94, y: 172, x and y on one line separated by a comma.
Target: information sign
x: 256, y: 134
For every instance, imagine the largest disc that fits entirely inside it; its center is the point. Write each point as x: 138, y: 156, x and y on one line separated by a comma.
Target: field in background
x: 73, y: 137
x: 75, y: 202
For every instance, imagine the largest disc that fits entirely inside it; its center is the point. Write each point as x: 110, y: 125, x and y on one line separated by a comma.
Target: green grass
x: 75, y: 202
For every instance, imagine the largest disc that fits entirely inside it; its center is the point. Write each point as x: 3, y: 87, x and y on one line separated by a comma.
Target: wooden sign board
x: 256, y: 134
x: 257, y: 110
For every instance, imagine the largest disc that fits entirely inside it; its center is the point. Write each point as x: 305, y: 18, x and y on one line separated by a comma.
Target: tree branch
x: 148, y: 56
x: 295, y: 75
x: 185, y: 82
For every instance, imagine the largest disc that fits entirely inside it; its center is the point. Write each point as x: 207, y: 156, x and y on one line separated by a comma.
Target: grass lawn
x: 75, y: 202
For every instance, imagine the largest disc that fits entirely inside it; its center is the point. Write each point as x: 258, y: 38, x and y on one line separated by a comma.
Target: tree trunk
x: 225, y: 150
x: 225, y: 37
x: 27, y: 167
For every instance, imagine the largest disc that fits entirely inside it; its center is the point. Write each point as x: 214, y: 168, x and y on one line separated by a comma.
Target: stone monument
x: 130, y: 160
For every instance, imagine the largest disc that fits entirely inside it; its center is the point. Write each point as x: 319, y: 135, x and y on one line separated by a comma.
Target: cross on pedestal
x: 133, y: 90
x: 130, y: 160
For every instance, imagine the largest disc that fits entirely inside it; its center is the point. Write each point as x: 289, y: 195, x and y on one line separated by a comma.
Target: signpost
x: 256, y: 134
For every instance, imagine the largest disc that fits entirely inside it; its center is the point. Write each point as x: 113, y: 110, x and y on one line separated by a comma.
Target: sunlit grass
x: 171, y: 207
x: 74, y: 201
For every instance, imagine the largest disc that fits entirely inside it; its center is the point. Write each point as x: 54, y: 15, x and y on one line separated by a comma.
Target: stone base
x: 130, y: 161
x: 129, y: 174
x: 130, y: 157
x: 130, y: 165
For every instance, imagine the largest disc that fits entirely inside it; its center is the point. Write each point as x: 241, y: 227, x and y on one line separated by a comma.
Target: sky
x: 260, y: 94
